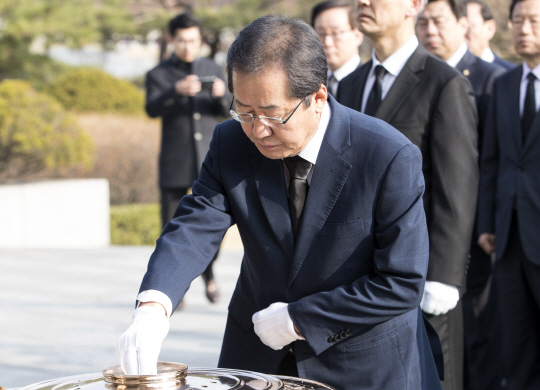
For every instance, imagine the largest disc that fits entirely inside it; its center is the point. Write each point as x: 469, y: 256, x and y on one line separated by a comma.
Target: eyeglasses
x: 336, y: 35
x: 268, y: 121
x: 518, y: 22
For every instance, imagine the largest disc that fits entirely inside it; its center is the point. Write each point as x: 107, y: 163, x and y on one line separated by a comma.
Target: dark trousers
x: 518, y: 283
x: 449, y: 327
x: 170, y: 197
x: 483, y: 366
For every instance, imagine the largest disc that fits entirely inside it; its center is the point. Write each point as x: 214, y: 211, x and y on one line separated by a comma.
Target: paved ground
x: 62, y: 311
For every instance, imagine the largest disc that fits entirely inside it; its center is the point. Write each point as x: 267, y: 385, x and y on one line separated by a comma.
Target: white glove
x: 274, y: 326
x: 439, y: 298
x: 138, y: 348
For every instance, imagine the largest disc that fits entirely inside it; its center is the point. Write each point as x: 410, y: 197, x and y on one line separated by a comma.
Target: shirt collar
x: 457, y: 56
x: 395, y: 63
x: 311, y: 150
x: 527, y: 70
x: 346, y: 68
x: 488, y: 55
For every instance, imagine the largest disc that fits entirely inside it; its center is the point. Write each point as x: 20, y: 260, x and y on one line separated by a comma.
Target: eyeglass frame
x: 262, y: 117
x: 337, y: 36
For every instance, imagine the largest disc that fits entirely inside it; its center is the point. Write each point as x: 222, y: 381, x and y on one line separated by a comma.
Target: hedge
x: 92, y: 90
x: 135, y: 224
x: 37, y: 133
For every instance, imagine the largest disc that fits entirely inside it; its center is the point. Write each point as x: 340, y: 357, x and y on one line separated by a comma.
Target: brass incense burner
x: 177, y: 376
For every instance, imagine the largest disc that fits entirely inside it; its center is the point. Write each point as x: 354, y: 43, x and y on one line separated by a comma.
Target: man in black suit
x: 335, y: 24
x: 189, y: 94
x: 433, y: 105
x: 481, y: 30
x: 441, y: 28
x: 509, y: 201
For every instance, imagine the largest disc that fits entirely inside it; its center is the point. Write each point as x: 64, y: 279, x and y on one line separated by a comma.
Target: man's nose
x: 260, y: 130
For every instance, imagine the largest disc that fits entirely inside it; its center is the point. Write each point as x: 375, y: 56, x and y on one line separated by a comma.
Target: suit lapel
x: 363, y: 73
x: 403, y: 85
x: 329, y: 176
x: 270, y: 183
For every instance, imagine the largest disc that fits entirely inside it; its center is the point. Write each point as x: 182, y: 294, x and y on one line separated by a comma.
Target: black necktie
x: 298, y: 187
x: 529, y: 108
x: 375, y: 96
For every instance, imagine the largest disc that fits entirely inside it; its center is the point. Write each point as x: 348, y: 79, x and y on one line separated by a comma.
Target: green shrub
x: 135, y: 224
x: 37, y: 133
x: 91, y: 90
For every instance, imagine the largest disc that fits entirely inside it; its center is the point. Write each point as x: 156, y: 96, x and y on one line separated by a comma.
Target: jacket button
x: 348, y: 332
x: 332, y: 339
x: 196, y: 116
x: 198, y: 136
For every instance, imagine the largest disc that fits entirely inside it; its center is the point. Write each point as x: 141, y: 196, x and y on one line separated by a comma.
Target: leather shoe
x: 212, y: 291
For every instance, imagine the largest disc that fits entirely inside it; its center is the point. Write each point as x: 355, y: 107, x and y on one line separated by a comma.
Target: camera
x: 207, y: 82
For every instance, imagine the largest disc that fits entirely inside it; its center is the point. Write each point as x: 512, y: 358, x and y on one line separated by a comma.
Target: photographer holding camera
x: 189, y: 94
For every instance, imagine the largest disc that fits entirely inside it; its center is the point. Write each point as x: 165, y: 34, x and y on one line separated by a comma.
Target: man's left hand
x: 274, y: 326
x: 218, y: 88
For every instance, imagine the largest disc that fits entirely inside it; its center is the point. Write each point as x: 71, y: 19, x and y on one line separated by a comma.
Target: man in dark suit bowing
x: 328, y: 203
x: 509, y: 201
x: 441, y: 28
x: 433, y: 105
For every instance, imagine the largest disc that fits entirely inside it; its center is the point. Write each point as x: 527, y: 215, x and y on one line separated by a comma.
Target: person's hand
x: 274, y: 326
x: 218, y: 88
x: 188, y: 86
x: 439, y: 298
x: 486, y: 241
x: 139, y: 346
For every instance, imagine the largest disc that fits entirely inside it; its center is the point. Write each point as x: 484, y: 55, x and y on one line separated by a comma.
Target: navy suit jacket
x: 510, y: 170
x: 354, y: 276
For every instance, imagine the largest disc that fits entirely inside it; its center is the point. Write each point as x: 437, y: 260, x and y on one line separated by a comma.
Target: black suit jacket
x: 510, y: 176
x: 187, y: 122
x: 434, y: 106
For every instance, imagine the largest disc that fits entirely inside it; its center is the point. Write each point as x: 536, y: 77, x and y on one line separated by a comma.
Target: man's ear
x: 320, y: 98
x: 415, y: 8
x: 464, y: 23
x: 491, y: 27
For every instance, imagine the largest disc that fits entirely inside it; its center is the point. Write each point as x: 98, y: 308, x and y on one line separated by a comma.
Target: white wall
x: 55, y: 214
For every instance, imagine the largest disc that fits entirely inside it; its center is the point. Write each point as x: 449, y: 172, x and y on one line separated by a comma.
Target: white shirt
x: 488, y: 55
x: 393, y: 64
x: 523, y: 86
x: 457, y: 56
x: 345, y: 69
x: 309, y: 153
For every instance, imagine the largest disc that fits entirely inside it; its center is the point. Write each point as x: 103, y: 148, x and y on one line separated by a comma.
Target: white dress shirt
x: 393, y: 65
x: 523, y: 86
x: 309, y: 153
x: 488, y: 55
x: 345, y: 69
x: 457, y: 56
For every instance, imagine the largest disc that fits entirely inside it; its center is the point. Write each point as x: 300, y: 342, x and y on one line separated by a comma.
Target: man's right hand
x: 486, y: 241
x: 138, y: 348
x: 188, y: 86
